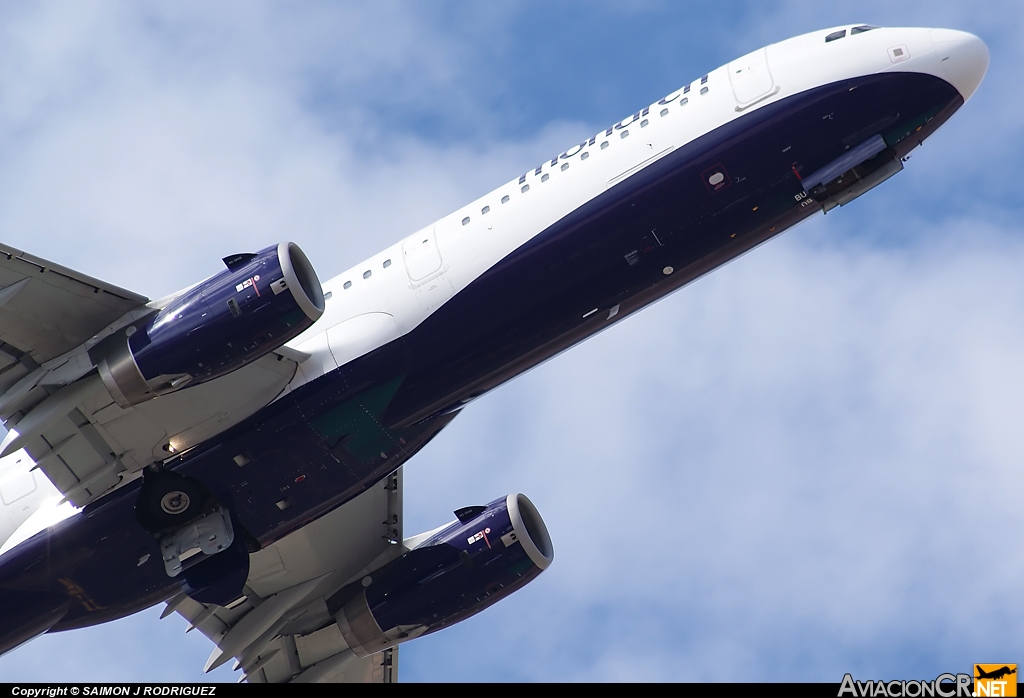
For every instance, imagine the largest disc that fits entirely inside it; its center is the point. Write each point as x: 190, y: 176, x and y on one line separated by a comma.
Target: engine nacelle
x: 454, y: 574
x: 260, y: 302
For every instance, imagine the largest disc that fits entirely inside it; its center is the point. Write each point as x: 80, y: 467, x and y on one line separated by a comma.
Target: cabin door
x: 751, y: 79
x: 425, y: 267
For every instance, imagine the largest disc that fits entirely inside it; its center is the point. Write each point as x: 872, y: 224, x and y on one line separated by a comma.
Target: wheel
x: 167, y: 501
x: 175, y: 502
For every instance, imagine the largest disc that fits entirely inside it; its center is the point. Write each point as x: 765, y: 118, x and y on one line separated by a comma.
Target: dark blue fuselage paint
x: 346, y: 430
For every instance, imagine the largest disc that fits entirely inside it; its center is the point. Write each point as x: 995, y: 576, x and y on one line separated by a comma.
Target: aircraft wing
x: 47, y: 310
x: 82, y: 440
x: 282, y: 630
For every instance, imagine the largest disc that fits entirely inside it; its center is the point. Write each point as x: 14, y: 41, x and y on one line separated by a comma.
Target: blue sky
x: 807, y: 463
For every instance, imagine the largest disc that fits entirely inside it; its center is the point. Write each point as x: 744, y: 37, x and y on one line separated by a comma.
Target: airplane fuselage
x: 413, y: 334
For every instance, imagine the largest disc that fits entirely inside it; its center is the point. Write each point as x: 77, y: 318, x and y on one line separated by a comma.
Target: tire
x: 168, y: 501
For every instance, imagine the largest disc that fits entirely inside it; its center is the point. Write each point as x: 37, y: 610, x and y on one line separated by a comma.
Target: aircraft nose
x: 965, y: 58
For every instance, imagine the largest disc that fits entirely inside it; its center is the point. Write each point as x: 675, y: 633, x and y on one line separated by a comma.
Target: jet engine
x: 260, y: 302
x: 458, y: 571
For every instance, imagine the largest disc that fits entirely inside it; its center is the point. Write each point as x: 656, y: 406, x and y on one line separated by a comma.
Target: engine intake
x: 452, y: 575
x: 260, y: 302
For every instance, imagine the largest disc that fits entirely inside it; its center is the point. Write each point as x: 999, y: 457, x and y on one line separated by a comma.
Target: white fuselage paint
x: 460, y: 252
x: 389, y: 294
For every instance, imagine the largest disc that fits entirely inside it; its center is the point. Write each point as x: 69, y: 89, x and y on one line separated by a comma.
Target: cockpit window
x: 835, y: 35
x: 861, y: 29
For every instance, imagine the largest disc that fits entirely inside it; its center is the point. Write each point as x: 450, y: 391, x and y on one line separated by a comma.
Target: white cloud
x: 812, y: 452
x: 144, y: 143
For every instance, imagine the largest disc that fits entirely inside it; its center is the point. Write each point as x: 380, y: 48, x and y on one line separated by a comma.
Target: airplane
x: 995, y: 673
x: 235, y: 450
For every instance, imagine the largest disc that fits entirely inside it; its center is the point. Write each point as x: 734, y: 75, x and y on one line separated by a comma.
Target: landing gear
x: 175, y: 502
x: 167, y: 501
x: 210, y: 534
x: 183, y: 516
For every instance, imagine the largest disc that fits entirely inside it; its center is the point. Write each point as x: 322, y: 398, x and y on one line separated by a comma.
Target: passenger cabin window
x: 348, y: 285
x: 387, y: 263
x: 565, y: 166
x: 504, y: 199
x: 835, y: 35
x: 485, y: 210
x: 465, y: 221
x: 526, y: 188
x: 604, y: 144
x: 584, y: 155
x: 861, y: 29
x: 367, y: 273
x: 545, y: 177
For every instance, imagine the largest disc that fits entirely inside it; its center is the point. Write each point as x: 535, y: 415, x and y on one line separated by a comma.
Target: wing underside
x: 282, y: 629
x: 56, y: 406
x: 47, y: 310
